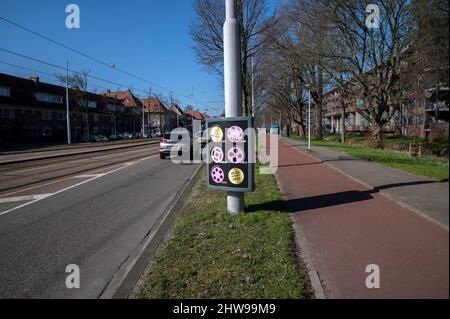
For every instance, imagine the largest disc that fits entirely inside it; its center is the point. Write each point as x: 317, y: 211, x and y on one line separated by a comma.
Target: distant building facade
x: 35, y: 112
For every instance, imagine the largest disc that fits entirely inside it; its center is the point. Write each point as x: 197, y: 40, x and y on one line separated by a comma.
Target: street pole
x: 309, y: 119
x: 69, y: 137
x: 253, y: 91
x: 143, y: 121
x: 232, y: 81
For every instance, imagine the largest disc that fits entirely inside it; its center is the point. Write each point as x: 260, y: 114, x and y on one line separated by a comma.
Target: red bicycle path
x: 347, y: 227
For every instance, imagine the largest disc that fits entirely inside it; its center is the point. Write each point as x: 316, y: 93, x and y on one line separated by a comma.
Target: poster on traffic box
x: 230, y: 154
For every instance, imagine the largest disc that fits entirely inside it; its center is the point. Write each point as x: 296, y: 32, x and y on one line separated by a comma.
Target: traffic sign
x: 231, y: 155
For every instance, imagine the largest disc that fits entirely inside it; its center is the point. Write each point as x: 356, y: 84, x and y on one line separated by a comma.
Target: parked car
x: 173, y: 140
x: 127, y: 136
x: 116, y: 137
x: 100, y: 138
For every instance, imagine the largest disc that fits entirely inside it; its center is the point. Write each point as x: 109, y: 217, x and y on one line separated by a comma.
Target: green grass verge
x: 428, y: 166
x: 212, y: 254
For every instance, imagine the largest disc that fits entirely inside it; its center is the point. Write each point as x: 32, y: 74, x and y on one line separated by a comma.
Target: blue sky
x: 148, y: 38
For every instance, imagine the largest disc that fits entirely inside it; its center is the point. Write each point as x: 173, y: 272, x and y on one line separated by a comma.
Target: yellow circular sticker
x: 236, y: 176
x: 216, y: 134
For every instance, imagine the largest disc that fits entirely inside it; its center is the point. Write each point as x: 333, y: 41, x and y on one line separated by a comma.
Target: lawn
x: 211, y: 254
x: 428, y: 166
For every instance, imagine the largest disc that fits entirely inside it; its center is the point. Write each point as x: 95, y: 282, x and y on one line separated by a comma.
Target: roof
x: 176, y: 109
x: 126, y: 97
x: 22, y: 93
x: 153, y: 105
x: 197, y: 115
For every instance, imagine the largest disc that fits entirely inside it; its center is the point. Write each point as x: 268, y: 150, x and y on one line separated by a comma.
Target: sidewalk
x: 422, y: 195
x: 344, y: 226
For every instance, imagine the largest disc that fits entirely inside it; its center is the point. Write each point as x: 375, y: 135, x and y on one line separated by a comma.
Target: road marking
x: 97, y: 176
x: 23, y: 198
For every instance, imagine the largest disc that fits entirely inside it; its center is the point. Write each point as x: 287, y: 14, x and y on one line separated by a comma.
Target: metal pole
x: 309, y: 119
x: 143, y: 120
x: 232, y: 81
x: 253, y: 91
x: 69, y: 135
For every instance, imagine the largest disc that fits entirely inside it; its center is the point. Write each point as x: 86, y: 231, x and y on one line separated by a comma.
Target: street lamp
x: 69, y: 137
x: 232, y: 81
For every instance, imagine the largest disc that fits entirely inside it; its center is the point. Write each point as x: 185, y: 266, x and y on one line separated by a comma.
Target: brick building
x: 34, y: 112
x: 423, y: 115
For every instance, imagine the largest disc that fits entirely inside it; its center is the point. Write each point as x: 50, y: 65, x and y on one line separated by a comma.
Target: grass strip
x: 211, y: 254
x: 428, y: 166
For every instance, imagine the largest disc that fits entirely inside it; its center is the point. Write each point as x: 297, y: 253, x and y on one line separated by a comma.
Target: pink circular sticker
x: 217, y: 154
x: 236, y: 155
x: 235, y: 134
x: 217, y: 174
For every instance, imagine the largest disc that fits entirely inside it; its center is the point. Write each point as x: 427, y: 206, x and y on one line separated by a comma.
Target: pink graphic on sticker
x: 235, y: 134
x: 217, y: 174
x: 217, y: 154
x: 236, y: 155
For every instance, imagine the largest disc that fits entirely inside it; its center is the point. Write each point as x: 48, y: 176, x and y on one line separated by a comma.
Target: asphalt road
x: 91, y: 210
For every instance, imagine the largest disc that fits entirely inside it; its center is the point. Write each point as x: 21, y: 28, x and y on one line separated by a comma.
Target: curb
x: 305, y: 254
x: 127, y: 278
x: 16, y: 161
x: 382, y: 192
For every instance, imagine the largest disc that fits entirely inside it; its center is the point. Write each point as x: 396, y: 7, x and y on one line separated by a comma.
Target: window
x: 48, y: 98
x: 60, y: 116
x: 46, y: 115
x: 7, y: 113
x: 92, y: 104
x: 47, y: 132
x: 411, y: 120
x: 5, y: 91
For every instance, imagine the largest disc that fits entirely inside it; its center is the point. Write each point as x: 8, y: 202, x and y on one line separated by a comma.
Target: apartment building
x: 33, y: 112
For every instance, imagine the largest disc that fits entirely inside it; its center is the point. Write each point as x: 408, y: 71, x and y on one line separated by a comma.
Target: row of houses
x: 425, y: 115
x: 33, y: 112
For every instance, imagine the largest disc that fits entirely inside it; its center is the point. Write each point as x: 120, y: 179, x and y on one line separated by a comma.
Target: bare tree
x: 374, y: 55
x: 206, y: 31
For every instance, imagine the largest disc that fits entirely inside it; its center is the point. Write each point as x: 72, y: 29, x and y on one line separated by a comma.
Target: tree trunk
x: 377, y: 135
x: 318, y: 134
x: 342, y: 122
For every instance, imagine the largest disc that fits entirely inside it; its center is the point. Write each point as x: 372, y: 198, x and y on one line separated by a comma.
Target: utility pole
x: 309, y: 119
x: 69, y: 135
x: 253, y: 91
x: 143, y: 121
x: 232, y: 81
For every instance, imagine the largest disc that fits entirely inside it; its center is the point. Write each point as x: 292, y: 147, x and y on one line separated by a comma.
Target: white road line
x: 65, y: 189
x: 23, y: 198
